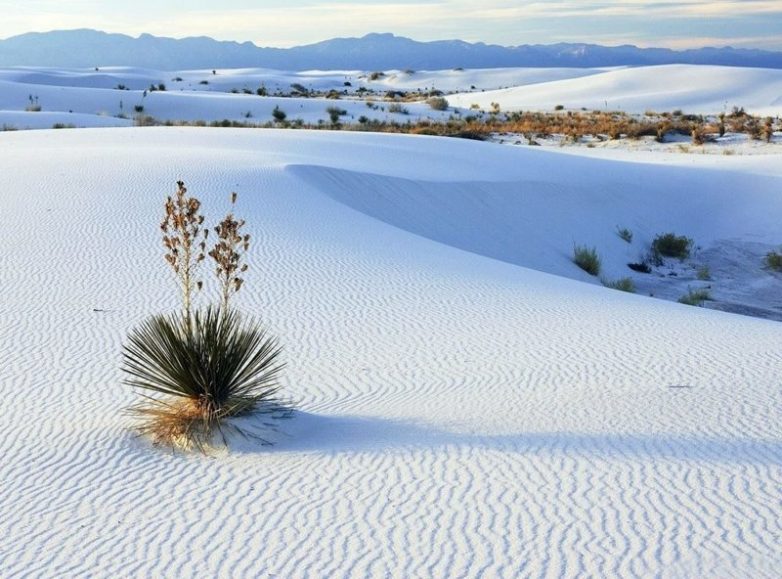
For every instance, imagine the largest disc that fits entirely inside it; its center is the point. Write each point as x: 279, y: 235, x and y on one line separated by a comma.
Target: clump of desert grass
x: 625, y: 234
x: 672, y: 245
x: 773, y: 261
x: 587, y: 259
x: 197, y: 369
x: 695, y: 297
x: 624, y: 284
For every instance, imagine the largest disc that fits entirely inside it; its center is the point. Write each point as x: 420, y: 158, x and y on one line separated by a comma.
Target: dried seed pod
x: 181, y: 227
x: 228, y: 253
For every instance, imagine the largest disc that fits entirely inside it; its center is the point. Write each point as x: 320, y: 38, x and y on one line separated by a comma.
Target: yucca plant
x: 221, y: 367
x: 199, y: 367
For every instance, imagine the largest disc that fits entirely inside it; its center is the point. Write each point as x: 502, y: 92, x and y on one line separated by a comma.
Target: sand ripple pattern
x: 460, y: 416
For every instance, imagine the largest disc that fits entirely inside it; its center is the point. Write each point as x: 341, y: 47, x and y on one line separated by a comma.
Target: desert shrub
x: 33, y: 106
x: 587, y: 259
x: 397, y: 108
x: 625, y: 233
x: 376, y: 75
x: 695, y: 297
x: 278, y: 114
x: 335, y: 113
x: 703, y: 273
x: 672, y: 245
x: 144, y: 121
x: 63, y: 126
x: 773, y: 260
x: 138, y: 108
x: 299, y: 89
x: 438, y: 103
x: 721, y: 125
x: 559, y: 108
x: 768, y: 129
x: 624, y: 284
x: 202, y: 366
x: 698, y: 135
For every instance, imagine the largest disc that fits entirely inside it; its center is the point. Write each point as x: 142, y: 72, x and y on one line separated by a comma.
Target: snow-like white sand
x: 91, y: 98
x: 460, y: 414
x: 692, y: 88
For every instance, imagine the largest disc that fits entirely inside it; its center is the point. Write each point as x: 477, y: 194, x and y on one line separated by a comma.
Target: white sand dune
x: 90, y: 107
x: 87, y: 98
x: 692, y: 88
x: 461, y: 414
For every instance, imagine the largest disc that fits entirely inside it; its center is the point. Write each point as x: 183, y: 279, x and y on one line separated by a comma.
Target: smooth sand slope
x: 692, y: 88
x: 459, y: 415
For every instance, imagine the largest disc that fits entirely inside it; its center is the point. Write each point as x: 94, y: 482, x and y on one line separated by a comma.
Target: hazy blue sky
x: 741, y: 23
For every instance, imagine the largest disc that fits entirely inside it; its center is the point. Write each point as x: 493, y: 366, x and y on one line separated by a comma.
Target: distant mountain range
x: 88, y: 48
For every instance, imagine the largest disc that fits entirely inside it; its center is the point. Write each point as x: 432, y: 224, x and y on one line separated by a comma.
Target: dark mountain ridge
x: 88, y: 48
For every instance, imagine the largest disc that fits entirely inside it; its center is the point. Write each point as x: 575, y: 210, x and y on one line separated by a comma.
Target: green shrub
x: 672, y: 245
x: 299, y: 89
x: 703, y: 273
x: 624, y: 284
x: 278, y: 114
x: 625, y: 234
x: 335, y: 113
x: 587, y: 259
x: 695, y: 297
x: 773, y: 260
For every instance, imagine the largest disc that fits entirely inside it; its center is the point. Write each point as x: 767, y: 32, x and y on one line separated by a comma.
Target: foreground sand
x: 460, y: 415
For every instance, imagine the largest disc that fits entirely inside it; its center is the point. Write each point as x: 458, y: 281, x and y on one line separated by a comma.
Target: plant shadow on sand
x: 308, y: 432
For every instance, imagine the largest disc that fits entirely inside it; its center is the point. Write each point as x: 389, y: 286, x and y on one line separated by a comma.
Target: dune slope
x: 459, y: 414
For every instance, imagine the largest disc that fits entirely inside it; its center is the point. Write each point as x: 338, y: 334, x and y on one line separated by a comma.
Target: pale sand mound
x: 460, y: 415
x: 693, y: 88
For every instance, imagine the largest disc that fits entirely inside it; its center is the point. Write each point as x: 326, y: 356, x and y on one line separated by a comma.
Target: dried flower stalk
x: 228, y: 253
x: 181, y: 229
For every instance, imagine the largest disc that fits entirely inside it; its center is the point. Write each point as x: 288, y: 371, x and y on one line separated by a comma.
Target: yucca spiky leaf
x: 218, y: 366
